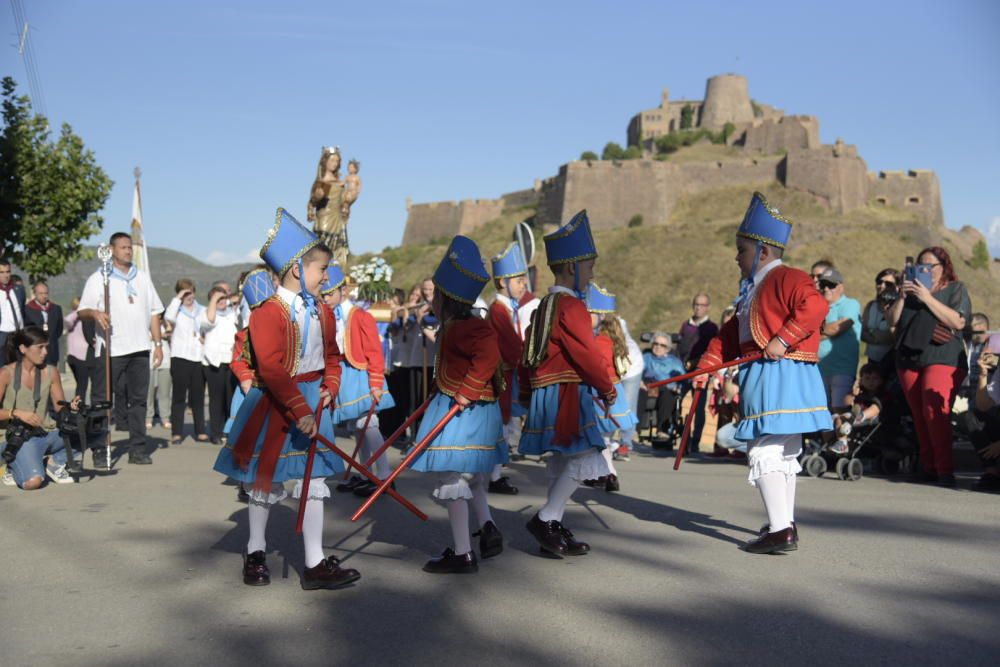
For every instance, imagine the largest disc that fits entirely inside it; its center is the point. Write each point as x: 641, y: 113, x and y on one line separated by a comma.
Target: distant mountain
x: 167, y: 266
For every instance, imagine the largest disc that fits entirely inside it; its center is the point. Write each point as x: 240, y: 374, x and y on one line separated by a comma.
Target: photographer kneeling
x: 26, y: 385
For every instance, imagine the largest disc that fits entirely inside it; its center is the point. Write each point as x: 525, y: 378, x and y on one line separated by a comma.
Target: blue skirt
x: 471, y: 442
x: 234, y: 408
x: 620, y: 411
x: 516, y: 409
x: 354, y: 398
x: 540, y: 427
x: 292, y: 460
x: 782, y: 397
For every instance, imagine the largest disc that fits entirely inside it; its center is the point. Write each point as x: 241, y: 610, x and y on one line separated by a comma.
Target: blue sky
x: 225, y: 105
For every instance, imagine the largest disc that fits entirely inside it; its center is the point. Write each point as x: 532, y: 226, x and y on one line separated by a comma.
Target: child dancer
x: 780, y: 313
x: 467, y: 449
x: 510, y: 314
x: 293, y: 350
x: 362, y: 378
x: 614, y: 351
x: 565, y: 364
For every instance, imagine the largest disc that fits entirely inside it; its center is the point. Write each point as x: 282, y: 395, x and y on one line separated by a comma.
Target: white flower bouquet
x: 373, y: 279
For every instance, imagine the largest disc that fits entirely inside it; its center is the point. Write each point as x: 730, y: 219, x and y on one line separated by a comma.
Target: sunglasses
x: 827, y: 285
x: 977, y: 332
x: 885, y: 282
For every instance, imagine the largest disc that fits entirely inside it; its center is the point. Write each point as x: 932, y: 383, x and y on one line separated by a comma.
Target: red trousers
x: 930, y: 391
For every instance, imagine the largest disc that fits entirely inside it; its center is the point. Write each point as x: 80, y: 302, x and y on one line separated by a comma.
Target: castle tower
x: 726, y: 101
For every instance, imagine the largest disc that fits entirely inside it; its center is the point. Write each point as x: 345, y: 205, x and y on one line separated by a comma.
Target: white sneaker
x: 8, y: 477
x: 59, y: 474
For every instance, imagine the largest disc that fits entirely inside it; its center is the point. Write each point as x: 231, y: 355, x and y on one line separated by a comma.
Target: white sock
x: 312, y: 532
x: 257, y: 516
x: 371, y: 443
x: 458, y: 515
x: 479, y: 500
x: 790, y: 496
x: 496, y: 474
x: 772, y: 489
x: 559, y: 493
x: 606, y: 453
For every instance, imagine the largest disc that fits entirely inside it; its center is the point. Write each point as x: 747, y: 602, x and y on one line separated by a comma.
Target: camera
x: 888, y: 296
x: 17, y: 434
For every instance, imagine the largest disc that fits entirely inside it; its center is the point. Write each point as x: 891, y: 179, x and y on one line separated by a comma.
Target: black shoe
x: 611, y: 483
x: 503, y: 486
x: 366, y: 488
x: 923, y: 477
x: 139, y: 458
x: 517, y: 457
x: 241, y: 495
x: 573, y: 547
x: 216, y: 441
x: 490, y: 540
x: 772, y: 543
x: 549, y: 535
x: 328, y: 574
x: 766, y: 528
x: 451, y: 563
x: 255, y: 572
x: 988, y: 483
x: 350, y: 484
x: 947, y: 481
x: 100, y: 455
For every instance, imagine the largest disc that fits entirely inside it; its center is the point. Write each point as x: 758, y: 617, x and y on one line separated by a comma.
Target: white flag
x: 140, y: 256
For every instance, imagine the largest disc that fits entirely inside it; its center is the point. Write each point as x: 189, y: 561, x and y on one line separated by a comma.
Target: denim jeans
x: 631, y: 387
x: 29, y: 462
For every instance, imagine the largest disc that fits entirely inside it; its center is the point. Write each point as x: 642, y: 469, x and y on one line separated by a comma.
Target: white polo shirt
x: 130, y: 320
x: 219, y: 336
x: 186, y: 341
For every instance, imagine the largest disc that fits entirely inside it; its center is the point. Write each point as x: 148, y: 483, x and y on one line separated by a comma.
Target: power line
x: 26, y: 49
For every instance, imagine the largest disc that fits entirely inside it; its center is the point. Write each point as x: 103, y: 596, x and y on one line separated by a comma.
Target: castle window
x: 913, y: 200
x: 882, y: 200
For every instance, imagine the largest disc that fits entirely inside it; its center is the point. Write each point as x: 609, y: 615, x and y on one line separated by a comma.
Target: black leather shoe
x: 772, y: 543
x: 766, y: 528
x: 139, y: 458
x: 328, y: 574
x: 503, y: 486
x: 611, y: 483
x: 451, y: 563
x: 490, y: 540
x: 573, y: 547
x: 350, y: 484
x: 255, y: 572
x: 100, y: 455
x: 241, y: 494
x: 549, y: 535
x: 366, y: 489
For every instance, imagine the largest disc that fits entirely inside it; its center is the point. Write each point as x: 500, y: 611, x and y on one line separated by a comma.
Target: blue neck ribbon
x: 310, y: 303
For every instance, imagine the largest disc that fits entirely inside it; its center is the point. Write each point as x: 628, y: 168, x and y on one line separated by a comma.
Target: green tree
x: 632, y: 153
x: 727, y: 131
x: 613, y: 151
x: 589, y: 156
x: 50, y: 191
x: 980, y: 255
x: 687, y: 117
x: 635, y: 220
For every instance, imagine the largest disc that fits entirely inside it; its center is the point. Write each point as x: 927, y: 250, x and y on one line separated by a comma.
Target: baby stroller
x: 844, y: 454
x: 665, y: 435
x: 78, y: 428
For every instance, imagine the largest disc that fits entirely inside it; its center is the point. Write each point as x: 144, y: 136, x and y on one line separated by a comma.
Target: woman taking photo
x: 930, y: 357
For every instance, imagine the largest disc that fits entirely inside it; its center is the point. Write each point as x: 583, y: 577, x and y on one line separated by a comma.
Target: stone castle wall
x: 426, y: 222
x: 838, y: 181
x: 915, y: 190
x: 772, y: 135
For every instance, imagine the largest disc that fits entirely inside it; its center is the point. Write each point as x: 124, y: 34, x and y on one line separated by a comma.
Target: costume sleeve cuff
x: 298, y: 407
x: 469, y: 392
x: 376, y: 380
x: 791, y: 333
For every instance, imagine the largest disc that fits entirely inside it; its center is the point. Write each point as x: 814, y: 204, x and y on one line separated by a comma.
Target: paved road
x: 143, y: 568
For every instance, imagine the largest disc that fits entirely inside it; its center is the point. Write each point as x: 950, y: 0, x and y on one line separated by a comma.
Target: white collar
x: 565, y: 290
x: 504, y: 299
x: 766, y: 269
x: 345, y: 307
x: 287, y: 295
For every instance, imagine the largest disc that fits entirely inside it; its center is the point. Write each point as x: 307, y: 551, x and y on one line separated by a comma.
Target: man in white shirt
x: 135, y: 327
x: 219, y: 327
x: 11, y: 308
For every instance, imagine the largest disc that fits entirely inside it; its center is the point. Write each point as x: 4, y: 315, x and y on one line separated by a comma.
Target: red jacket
x: 572, y: 354
x: 362, y: 346
x: 240, y: 364
x: 785, y: 304
x: 607, y: 348
x: 467, y: 360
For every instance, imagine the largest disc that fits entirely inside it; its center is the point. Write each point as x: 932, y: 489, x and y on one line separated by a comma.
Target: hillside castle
x: 766, y: 146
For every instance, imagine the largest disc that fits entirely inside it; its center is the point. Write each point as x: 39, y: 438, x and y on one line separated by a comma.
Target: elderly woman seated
x: 660, y: 364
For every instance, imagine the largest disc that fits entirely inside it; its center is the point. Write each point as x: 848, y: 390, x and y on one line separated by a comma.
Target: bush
x: 727, y: 131
x: 632, y: 153
x: 589, y: 156
x: 635, y: 220
x: 613, y: 151
x: 670, y: 143
x: 980, y: 255
x: 687, y: 117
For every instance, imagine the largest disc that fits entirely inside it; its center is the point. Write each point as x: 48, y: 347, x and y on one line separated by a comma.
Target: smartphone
x: 918, y: 273
x: 993, y: 344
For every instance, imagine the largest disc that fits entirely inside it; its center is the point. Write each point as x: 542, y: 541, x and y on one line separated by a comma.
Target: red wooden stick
x: 309, y: 467
x: 399, y: 431
x: 712, y: 369
x: 361, y: 436
x: 696, y: 396
x: 421, y: 446
x: 607, y: 410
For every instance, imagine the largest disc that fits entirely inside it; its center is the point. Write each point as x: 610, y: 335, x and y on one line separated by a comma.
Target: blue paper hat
x: 572, y: 242
x: 763, y: 223
x: 510, y: 263
x: 286, y: 242
x: 334, y: 279
x: 257, y: 287
x: 462, y: 273
x: 600, y: 301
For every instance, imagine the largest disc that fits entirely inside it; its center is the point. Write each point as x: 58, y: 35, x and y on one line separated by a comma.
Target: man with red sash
x: 565, y: 363
x: 780, y: 313
x: 510, y: 313
x: 293, y: 352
